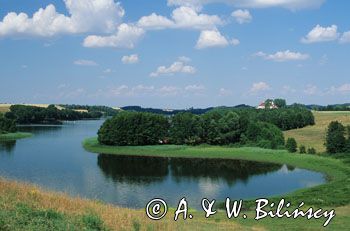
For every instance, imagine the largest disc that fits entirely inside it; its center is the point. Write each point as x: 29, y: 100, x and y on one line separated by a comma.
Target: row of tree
x: 218, y: 127
x: 106, y: 111
x: 51, y: 115
x: 7, y: 125
x: 337, y: 138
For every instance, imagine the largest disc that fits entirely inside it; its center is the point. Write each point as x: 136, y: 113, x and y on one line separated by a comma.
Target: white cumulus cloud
x: 178, y: 66
x: 131, y: 59
x: 126, y: 37
x: 213, y: 38
x: 181, y: 18
x: 288, y: 4
x: 283, y: 56
x: 345, y: 38
x: 242, y: 16
x: 84, y: 16
x: 321, y: 34
x: 258, y: 87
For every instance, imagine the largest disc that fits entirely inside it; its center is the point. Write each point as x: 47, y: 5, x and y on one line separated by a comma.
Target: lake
x: 55, y: 159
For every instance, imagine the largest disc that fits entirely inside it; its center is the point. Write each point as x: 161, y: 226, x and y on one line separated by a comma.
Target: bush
x: 7, y: 125
x: 291, y: 145
x: 311, y: 151
x: 264, y: 135
x: 335, y: 138
x: 302, y: 149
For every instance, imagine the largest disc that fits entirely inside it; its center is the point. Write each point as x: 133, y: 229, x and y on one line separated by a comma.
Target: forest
x: 50, y: 115
x: 262, y: 128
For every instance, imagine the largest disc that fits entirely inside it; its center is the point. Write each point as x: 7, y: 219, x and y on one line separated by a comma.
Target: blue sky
x: 174, y: 53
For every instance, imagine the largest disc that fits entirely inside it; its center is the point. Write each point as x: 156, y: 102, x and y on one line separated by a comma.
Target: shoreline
x: 337, y: 173
x: 15, y: 136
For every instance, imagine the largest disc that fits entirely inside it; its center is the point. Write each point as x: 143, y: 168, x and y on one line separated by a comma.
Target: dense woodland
x: 7, y: 125
x: 245, y: 126
x: 50, y: 115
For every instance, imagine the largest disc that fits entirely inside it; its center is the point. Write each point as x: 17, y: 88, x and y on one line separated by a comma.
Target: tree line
x: 262, y: 128
x: 51, y: 115
x: 106, y: 111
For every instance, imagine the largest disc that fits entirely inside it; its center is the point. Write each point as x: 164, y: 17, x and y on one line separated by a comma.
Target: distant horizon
x: 174, y: 53
x: 163, y: 108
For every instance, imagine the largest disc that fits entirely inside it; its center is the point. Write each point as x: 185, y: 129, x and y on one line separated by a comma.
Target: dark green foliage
x: 334, y: 107
x: 291, y: 145
x: 302, y: 149
x: 50, y: 115
x: 7, y: 125
x: 134, y: 128
x: 185, y: 128
x: 224, y: 126
x: 335, y: 138
x: 264, y: 135
x: 280, y: 103
x: 311, y: 151
x: 287, y: 118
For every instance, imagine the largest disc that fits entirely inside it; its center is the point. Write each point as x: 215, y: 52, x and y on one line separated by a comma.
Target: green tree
x: 185, y: 127
x: 280, y: 103
x: 291, y: 145
x: 134, y: 128
x: 335, y: 138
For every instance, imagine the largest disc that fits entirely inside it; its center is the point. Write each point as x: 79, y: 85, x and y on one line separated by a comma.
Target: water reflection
x: 39, y: 129
x: 135, y: 169
x: 7, y: 146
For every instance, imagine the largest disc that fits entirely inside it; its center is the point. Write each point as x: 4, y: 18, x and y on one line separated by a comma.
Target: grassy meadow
x: 24, y: 206
x: 314, y: 136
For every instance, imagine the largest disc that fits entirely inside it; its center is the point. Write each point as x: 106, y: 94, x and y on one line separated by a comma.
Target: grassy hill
x: 314, y: 136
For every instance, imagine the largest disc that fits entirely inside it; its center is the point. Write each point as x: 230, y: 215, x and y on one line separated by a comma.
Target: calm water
x: 55, y: 159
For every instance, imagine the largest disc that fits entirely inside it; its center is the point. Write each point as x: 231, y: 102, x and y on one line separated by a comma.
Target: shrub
x: 311, y: 151
x: 7, y: 125
x: 302, y: 149
x: 291, y: 145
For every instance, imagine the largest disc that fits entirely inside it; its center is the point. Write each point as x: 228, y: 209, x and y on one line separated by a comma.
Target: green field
x: 15, y: 136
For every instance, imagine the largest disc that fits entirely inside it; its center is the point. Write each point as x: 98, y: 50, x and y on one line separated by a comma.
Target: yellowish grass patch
x: 314, y: 136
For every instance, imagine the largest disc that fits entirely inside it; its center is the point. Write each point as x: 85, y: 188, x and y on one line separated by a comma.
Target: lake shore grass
x: 15, y: 136
x: 333, y: 193
x: 28, y: 207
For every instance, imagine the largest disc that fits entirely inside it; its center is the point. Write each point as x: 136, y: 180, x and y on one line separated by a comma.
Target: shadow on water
x: 38, y: 129
x: 7, y: 146
x: 134, y: 169
x: 216, y: 169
